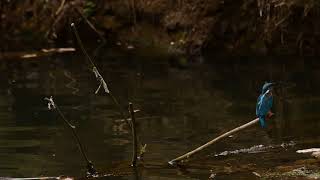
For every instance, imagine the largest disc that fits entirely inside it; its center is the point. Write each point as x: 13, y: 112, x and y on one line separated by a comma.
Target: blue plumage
x: 264, y: 103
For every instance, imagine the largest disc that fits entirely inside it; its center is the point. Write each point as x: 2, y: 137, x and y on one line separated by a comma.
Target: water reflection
x: 180, y: 110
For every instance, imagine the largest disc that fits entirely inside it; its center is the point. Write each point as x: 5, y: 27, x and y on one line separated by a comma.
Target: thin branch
x: 91, y: 25
x: 73, y: 26
x: 189, y: 154
x: 53, y: 106
x: 98, y: 75
x: 134, y: 136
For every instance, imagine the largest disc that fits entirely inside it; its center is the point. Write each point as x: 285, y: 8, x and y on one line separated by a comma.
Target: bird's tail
x: 262, y: 121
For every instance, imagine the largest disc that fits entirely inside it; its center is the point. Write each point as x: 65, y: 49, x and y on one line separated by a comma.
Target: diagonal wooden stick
x: 189, y: 154
x: 60, y: 7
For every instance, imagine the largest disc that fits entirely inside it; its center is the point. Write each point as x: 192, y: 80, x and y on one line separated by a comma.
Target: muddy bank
x: 179, y: 27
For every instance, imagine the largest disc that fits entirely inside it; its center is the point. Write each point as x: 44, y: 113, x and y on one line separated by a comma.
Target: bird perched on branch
x: 264, y: 103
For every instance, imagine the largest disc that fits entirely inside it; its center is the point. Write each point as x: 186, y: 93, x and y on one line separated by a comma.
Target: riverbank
x: 183, y: 27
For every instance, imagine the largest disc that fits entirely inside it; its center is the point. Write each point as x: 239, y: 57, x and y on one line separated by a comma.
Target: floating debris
x: 315, y: 152
x: 39, y: 178
x: 130, y: 47
x: 58, y: 50
x: 311, y: 150
x: 34, y: 54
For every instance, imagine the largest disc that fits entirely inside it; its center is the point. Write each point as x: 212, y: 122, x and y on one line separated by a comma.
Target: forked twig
x: 53, y: 106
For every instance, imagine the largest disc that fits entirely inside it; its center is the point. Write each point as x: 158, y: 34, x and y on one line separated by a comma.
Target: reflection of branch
x: 71, y: 84
x: 136, y: 173
x: 96, y: 51
x: 280, y: 22
x: 52, y: 82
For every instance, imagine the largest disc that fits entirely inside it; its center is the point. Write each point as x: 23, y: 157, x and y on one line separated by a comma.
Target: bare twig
x: 97, y: 74
x: 60, y: 7
x: 91, y: 25
x: 189, y: 154
x: 134, y: 136
x: 53, y: 106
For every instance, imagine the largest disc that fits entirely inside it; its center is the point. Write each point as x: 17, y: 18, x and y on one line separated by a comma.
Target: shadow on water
x: 180, y: 110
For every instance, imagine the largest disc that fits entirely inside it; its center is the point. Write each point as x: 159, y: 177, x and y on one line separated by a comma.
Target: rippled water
x: 257, y: 149
x: 180, y: 109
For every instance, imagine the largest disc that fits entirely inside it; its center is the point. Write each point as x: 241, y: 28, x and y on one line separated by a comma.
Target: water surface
x: 180, y: 109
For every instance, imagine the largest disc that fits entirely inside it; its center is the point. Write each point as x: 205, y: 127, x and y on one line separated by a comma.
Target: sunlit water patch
x: 256, y: 149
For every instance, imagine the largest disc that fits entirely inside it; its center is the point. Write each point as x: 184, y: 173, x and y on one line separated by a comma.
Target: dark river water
x: 180, y: 109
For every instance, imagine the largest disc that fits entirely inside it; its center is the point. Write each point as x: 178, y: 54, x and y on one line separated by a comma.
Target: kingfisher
x: 264, y: 103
